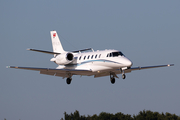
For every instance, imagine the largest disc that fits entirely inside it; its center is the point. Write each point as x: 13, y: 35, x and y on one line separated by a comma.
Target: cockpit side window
x: 107, y: 55
x: 110, y: 55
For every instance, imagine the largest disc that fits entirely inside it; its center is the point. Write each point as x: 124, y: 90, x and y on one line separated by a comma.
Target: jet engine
x: 63, y: 59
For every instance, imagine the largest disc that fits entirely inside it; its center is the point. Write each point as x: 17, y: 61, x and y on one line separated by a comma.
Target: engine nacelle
x: 63, y: 59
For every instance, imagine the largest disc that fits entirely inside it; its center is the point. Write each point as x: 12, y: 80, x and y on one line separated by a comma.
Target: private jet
x: 86, y: 62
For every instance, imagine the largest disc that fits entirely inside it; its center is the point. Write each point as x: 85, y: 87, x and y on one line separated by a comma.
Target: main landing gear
x: 112, y: 79
x: 68, y: 80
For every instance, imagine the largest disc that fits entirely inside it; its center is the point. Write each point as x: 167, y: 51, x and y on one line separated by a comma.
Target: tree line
x: 142, y: 115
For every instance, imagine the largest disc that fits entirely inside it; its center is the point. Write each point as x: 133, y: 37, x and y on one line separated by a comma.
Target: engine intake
x: 63, y: 59
x: 70, y: 56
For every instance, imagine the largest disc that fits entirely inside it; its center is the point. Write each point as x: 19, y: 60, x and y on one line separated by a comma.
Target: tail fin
x: 56, y: 44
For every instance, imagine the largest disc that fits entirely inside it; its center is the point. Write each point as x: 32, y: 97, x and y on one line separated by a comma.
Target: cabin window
x: 80, y: 58
x: 88, y: 57
x: 96, y: 56
x: 99, y: 55
x: 92, y: 56
x: 84, y: 57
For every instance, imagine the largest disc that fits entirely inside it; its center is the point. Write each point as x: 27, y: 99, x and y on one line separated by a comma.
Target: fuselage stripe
x: 101, y: 60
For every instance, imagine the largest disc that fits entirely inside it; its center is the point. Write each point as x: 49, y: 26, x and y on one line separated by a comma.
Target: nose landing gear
x: 123, y: 76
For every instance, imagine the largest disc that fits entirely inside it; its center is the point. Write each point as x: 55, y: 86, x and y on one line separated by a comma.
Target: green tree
x: 142, y: 115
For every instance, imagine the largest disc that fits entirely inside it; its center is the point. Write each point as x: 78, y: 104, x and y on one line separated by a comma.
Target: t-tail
x: 56, y: 44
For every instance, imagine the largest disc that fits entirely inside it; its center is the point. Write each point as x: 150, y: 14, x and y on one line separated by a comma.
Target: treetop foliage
x: 143, y: 115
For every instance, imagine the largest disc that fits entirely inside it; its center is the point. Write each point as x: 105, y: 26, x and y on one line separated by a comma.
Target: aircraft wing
x: 118, y: 71
x: 55, y: 72
x: 65, y: 72
x: 147, y: 67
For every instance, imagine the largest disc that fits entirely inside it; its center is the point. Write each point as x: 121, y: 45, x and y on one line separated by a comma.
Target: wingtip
x: 7, y: 66
x: 170, y: 65
x: 12, y: 67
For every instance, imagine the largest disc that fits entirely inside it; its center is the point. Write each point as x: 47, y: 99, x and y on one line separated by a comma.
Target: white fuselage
x: 97, y: 61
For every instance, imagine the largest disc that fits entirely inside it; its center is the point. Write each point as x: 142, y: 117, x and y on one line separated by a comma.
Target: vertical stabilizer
x: 56, y: 44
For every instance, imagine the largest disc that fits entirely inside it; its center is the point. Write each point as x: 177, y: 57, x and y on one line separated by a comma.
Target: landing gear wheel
x: 68, y: 80
x: 112, y: 80
x: 123, y: 76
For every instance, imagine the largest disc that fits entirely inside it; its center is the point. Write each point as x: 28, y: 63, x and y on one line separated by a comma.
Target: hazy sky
x: 147, y: 32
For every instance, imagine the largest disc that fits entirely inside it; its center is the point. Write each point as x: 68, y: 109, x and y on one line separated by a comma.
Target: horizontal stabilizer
x: 48, y: 52
x: 81, y: 50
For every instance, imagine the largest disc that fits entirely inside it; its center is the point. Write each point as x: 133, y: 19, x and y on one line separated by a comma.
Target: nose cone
x: 127, y: 62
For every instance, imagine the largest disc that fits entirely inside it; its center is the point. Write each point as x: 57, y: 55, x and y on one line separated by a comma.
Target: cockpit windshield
x: 115, y: 54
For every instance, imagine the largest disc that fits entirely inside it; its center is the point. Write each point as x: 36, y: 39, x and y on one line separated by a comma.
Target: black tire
x: 113, y: 80
x: 68, y: 81
x: 123, y: 76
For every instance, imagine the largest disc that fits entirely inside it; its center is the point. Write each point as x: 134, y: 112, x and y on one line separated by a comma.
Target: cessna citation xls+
x: 96, y: 63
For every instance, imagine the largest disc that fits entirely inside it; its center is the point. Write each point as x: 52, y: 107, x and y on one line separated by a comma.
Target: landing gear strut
x: 68, y: 80
x: 123, y: 74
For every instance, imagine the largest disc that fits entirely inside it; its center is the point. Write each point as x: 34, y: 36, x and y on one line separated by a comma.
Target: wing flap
x: 47, y: 73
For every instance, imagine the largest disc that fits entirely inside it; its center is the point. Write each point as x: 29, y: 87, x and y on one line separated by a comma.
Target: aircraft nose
x: 128, y: 63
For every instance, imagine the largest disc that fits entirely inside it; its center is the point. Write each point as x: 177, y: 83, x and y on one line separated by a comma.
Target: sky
x: 147, y: 32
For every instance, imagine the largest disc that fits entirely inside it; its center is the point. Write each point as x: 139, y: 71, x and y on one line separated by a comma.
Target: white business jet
x: 94, y: 63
